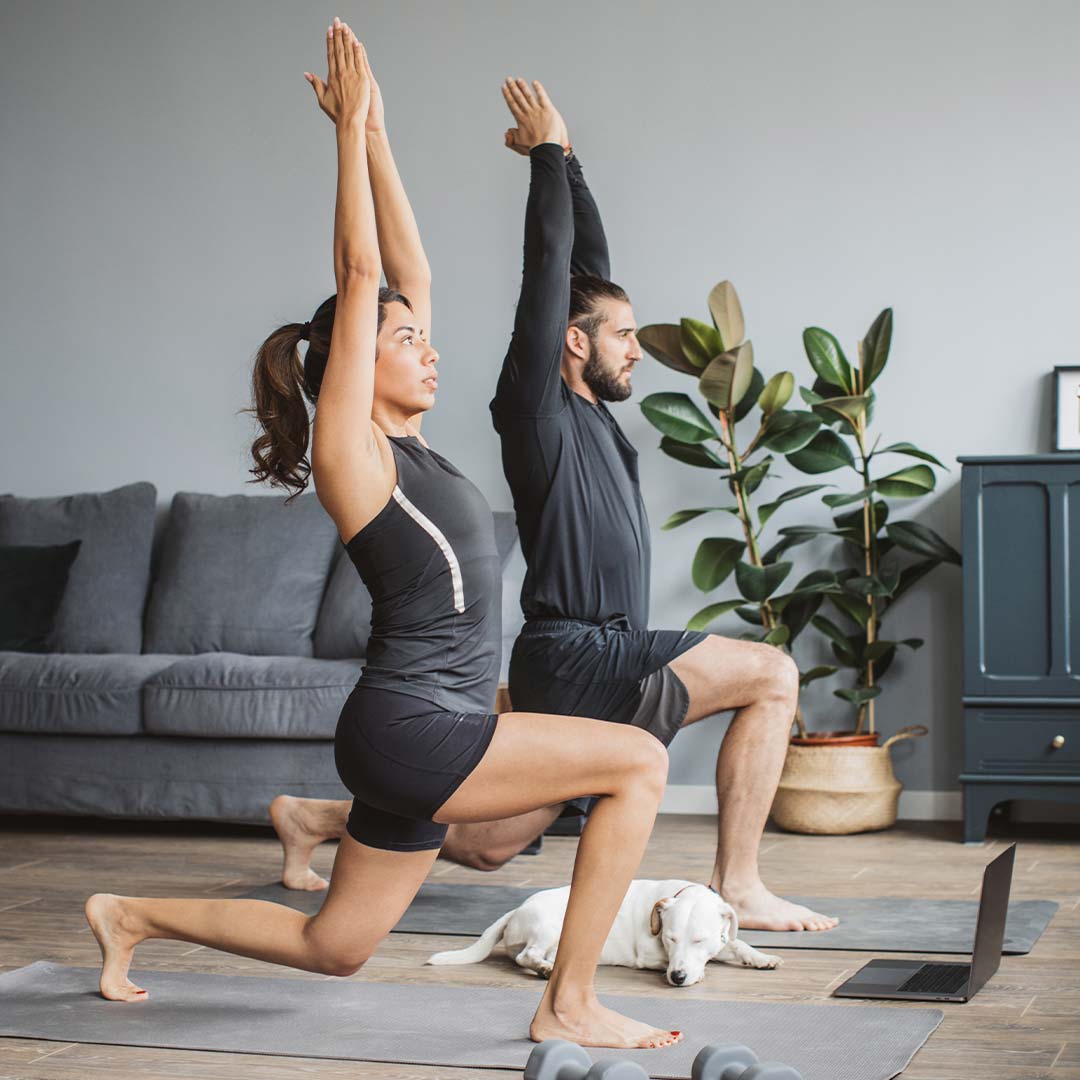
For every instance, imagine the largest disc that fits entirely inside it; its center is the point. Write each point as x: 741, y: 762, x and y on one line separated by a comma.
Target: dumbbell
x: 557, y: 1059
x: 733, y: 1061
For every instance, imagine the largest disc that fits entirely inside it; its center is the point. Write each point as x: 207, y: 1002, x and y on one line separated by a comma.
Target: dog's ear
x: 729, y: 911
x: 654, y: 918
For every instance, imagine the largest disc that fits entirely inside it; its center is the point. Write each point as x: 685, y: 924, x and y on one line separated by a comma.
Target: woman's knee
x: 341, y: 962
x: 645, y: 760
x: 339, y: 958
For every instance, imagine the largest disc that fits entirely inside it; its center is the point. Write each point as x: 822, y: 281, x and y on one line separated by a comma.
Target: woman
x: 415, y: 742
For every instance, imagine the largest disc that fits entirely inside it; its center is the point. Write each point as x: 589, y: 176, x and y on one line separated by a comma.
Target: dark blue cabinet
x: 1021, y: 526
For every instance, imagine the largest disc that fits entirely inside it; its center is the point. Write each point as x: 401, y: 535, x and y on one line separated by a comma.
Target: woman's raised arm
x: 404, y: 260
x: 343, y: 441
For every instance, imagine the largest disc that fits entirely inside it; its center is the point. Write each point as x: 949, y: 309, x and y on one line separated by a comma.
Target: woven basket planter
x: 837, y: 789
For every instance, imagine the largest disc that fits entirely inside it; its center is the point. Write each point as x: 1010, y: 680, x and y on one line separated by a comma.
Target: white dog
x: 672, y: 926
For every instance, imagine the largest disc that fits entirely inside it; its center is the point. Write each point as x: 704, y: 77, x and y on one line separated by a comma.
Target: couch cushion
x: 73, y: 693
x: 103, y: 603
x: 240, y: 573
x: 345, y: 616
x: 32, y: 583
x: 225, y: 695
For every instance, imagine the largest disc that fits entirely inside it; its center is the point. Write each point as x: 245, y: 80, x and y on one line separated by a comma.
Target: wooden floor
x: 1024, y: 1025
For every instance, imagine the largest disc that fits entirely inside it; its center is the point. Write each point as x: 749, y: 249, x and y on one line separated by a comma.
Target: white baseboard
x: 914, y: 805
x: 930, y: 806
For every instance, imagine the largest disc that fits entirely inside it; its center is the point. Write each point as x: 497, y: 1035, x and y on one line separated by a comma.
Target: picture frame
x: 1067, y: 408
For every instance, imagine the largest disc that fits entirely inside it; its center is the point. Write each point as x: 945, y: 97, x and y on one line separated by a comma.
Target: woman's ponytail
x: 278, y: 393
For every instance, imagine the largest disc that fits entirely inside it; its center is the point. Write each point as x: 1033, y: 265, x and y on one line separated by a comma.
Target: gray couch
x: 199, y: 691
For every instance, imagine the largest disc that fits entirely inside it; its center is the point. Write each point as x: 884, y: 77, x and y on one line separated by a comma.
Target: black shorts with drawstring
x: 606, y: 671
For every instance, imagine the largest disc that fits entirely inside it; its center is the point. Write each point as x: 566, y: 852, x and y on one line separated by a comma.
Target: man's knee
x: 773, y: 675
x: 782, y: 674
x: 477, y: 852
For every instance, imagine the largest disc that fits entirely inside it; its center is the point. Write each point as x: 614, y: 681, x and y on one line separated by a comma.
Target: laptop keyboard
x: 938, y: 979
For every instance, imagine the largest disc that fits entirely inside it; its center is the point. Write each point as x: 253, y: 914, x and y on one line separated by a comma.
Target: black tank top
x: 429, y: 560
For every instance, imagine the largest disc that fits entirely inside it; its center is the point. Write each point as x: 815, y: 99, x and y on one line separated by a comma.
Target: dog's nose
x: 678, y: 977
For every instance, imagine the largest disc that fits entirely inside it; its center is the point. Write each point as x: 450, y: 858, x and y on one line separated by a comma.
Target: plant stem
x: 866, y: 710
x: 799, y: 723
x: 727, y: 428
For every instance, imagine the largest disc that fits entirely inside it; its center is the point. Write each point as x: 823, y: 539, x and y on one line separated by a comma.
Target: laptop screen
x: 993, y: 911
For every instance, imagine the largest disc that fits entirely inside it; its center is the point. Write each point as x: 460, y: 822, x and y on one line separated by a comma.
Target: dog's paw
x: 545, y: 970
x: 765, y: 962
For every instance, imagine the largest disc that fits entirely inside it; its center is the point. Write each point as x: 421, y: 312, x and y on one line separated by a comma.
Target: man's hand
x: 538, y: 121
x: 347, y: 92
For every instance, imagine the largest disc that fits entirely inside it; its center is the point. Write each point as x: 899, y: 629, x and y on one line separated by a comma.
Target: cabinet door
x: 1021, y: 579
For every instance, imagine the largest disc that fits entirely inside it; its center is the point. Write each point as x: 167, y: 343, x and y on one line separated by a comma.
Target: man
x: 586, y: 648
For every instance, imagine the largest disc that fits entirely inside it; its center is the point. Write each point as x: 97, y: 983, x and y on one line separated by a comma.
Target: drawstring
x: 543, y: 624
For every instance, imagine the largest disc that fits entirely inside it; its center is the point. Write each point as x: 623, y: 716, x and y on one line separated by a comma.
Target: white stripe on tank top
x: 436, y: 534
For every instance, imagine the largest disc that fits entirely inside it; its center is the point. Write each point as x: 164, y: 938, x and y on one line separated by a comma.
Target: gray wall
x: 166, y: 192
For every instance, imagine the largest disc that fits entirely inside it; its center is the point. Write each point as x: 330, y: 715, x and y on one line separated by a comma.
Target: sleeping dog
x: 671, y: 926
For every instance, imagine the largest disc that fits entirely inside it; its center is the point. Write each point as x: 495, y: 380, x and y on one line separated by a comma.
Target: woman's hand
x: 376, y: 119
x: 538, y: 121
x: 347, y: 93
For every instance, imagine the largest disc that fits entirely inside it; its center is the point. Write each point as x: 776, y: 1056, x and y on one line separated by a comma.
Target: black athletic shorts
x: 402, y: 760
x: 607, y: 671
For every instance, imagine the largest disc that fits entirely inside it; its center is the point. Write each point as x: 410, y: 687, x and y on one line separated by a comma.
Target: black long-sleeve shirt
x: 572, y: 472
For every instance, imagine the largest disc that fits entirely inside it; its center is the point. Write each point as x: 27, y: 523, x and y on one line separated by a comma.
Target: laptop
x: 916, y: 980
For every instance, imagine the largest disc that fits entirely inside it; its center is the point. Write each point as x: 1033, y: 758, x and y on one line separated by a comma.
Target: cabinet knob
x: 1057, y: 742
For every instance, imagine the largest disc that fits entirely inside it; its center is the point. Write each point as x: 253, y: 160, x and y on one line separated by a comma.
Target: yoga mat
x: 902, y: 924
x: 438, y: 1025
x: 877, y: 924
x: 437, y: 909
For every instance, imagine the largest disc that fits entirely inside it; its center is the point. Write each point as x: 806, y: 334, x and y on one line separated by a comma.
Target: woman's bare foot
x: 590, y: 1024
x: 759, y: 909
x: 117, y: 941
x: 302, y: 825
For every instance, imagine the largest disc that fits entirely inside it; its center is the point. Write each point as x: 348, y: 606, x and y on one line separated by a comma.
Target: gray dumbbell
x: 557, y: 1059
x: 733, y: 1061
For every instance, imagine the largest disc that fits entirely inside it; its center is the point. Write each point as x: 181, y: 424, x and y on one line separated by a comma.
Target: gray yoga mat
x: 437, y: 1025
x: 878, y: 924
x: 902, y: 924
x: 437, y: 908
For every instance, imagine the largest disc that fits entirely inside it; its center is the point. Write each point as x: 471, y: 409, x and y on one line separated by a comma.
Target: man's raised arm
x: 590, y: 253
x: 529, y: 383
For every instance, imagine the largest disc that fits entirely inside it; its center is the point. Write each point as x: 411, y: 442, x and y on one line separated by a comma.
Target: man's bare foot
x: 590, y: 1024
x: 300, y: 834
x: 759, y: 909
x: 117, y: 941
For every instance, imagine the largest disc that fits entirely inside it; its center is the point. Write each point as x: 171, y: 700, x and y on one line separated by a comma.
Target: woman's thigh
x: 538, y: 759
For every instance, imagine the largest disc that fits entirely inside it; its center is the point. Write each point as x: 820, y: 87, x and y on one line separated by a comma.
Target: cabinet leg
x: 979, y: 800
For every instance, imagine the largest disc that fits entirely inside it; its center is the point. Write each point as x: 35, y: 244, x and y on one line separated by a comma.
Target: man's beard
x: 602, y: 381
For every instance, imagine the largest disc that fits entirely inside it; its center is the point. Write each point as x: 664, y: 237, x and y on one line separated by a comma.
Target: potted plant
x: 833, y: 792
x: 721, y: 362
x: 885, y: 559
